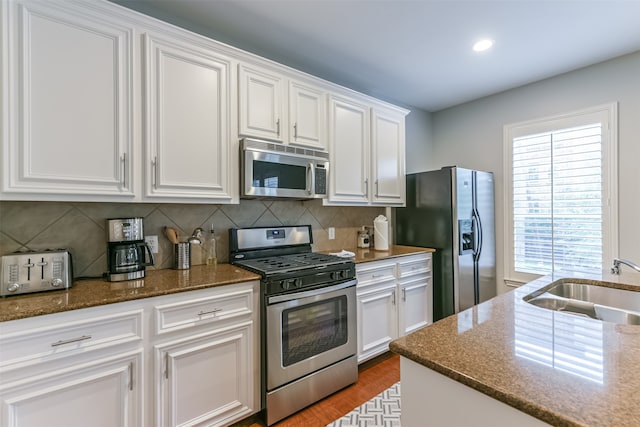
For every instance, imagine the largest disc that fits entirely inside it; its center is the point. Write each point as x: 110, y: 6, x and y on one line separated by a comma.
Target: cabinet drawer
x: 372, y: 273
x: 36, y: 344
x: 414, y: 266
x: 203, y: 310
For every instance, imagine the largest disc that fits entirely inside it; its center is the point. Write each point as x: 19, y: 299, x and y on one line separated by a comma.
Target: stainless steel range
x: 308, y: 318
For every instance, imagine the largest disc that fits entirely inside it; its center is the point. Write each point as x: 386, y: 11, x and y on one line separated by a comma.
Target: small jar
x: 363, y: 238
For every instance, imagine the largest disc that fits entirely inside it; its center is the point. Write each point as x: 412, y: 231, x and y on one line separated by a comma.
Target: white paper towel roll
x: 381, y: 233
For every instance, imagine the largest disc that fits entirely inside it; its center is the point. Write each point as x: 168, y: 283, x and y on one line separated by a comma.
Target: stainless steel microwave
x: 271, y: 169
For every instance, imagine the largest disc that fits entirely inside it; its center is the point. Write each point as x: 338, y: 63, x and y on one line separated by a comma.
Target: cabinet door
x: 307, y: 116
x: 387, y: 152
x: 188, y: 102
x: 377, y: 320
x: 103, y: 393
x: 415, y: 309
x: 260, y: 103
x: 206, y: 379
x: 349, y: 148
x: 68, y: 105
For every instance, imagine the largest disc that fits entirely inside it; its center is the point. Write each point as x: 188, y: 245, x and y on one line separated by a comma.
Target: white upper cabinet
x: 261, y: 103
x: 297, y: 117
x: 188, y: 100
x: 387, y: 157
x: 366, y: 144
x: 307, y: 116
x: 67, y: 104
x: 102, y: 104
x: 349, y: 151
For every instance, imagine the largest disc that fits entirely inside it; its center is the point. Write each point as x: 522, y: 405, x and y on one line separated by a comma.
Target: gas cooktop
x: 287, y: 263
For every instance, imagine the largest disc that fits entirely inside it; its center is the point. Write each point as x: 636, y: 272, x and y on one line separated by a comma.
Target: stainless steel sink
x: 597, y: 302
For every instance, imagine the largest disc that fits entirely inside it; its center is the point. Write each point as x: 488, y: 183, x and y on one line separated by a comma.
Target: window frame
x: 608, y: 116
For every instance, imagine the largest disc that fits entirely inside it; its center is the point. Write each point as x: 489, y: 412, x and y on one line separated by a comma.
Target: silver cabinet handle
x: 166, y: 365
x: 154, y: 164
x: 278, y: 127
x: 366, y: 187
x: 377, y: 191
x: 295, y: 131
x: 393, y: 297
x: 204, y: 313
x: 131, y: 376
x: 123, y: 161
x: 404, y: 294
x: 72, y: 340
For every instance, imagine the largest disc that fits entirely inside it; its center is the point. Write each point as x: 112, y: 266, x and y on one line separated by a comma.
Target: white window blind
x: 557, y: 200
x: 561, y: 194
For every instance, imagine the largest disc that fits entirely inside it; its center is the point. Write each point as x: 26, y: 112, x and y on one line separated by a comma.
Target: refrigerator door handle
x: 477, y: 235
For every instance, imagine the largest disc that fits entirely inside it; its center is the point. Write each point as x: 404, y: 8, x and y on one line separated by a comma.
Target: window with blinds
x: 557, y: 200
x: 561, y: 188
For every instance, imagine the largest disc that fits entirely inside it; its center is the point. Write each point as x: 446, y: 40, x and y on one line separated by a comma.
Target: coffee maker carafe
x: 126, y: 249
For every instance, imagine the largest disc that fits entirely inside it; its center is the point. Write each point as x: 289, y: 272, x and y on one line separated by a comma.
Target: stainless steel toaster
x: 26, y: 272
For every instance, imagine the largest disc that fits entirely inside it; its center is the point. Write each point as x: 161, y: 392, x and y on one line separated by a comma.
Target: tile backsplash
x: 80, y: 227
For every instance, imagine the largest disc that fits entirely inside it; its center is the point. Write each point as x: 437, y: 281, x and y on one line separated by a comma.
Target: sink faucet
x: 615, y: 268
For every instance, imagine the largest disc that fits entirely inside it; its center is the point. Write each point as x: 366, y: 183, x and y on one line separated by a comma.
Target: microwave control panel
x: 321, y: 180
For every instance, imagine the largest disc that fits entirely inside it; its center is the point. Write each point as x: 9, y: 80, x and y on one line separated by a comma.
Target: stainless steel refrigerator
x: 452, y: 210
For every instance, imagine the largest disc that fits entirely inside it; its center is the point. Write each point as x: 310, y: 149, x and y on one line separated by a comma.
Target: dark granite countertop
x: 560, y: 368
x: 367, y: 255
x: 95, y: 292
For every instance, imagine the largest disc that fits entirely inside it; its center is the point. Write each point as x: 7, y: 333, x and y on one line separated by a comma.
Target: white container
x: 363, y: 238
x: 381, y: 233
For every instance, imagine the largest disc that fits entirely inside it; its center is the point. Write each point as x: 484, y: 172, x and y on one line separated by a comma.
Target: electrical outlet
x: 332, y: 233
x: 152, y: 241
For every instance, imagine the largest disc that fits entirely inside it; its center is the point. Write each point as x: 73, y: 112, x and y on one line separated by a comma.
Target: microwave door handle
x: 312, y: 181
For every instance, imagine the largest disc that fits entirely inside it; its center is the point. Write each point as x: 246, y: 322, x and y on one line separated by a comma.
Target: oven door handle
x: 312, y: 293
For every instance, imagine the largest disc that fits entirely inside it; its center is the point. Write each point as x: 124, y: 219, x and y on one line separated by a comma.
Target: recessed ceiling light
x: 482, y: 45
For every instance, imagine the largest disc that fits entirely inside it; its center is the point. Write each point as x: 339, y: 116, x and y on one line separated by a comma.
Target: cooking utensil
x: 171, y: 234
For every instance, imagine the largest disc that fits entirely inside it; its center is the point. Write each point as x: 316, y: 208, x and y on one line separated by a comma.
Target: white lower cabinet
x: 190, y: 358
x: 207, y: 374
x: 206, y: 379
x: 395, y: 298
x: 102, y: 393
x: 86, y: 369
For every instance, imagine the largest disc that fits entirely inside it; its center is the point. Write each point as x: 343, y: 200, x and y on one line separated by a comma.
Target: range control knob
x: 13, y: 287
x: 57, y: 282
x: 284, y: 284
x: 297, y: 283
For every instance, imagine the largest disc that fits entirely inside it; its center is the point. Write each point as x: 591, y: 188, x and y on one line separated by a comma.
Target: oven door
x: 309, y: 330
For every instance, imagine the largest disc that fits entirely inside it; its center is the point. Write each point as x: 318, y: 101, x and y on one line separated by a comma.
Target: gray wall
x: 471, y: 135
x: 419, y: 142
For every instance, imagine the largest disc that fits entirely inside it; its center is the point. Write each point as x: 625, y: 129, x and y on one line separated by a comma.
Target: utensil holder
x: 182, y: 256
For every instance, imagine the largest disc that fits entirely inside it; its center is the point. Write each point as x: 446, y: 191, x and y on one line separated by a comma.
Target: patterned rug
x: 381, y: 411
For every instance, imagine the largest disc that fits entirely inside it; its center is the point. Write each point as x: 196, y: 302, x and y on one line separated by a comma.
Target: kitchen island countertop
x: 560, y: 368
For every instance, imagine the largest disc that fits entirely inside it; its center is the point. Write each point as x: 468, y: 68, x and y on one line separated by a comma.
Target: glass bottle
x: 210, y: 255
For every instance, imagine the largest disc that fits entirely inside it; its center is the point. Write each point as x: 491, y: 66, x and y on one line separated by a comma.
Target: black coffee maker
x: 126, y: 249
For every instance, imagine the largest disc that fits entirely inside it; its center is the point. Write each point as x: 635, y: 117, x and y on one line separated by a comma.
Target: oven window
x: 275, y: 175
x: 312, y: 329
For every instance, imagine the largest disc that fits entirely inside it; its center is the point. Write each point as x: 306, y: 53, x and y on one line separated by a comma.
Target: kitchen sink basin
x: 597, y: 302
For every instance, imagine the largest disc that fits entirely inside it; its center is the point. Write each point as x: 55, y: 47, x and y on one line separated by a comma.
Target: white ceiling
x: 417, y: 52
